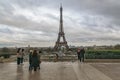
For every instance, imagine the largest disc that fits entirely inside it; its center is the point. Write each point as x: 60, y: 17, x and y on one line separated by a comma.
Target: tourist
x: 82, y: 52
x: 39, y: 61
x: 35, y: 60
x: 78, y: 53
x: 22, y: 56
x: 26, y: 56
x: 30, y: 59
x: 18, y: 56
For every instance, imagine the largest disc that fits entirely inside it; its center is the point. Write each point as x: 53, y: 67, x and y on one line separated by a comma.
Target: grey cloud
x: 88, y: 20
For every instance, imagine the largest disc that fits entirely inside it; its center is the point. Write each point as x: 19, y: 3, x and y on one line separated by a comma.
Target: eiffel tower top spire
x: 60, y: 4
x: 61, y: 19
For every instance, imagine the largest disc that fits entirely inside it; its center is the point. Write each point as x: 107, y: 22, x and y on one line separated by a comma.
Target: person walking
x: 18, y: 56
x: 35, y: 60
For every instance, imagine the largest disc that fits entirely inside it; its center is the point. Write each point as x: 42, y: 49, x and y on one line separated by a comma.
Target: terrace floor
x: 61, y: 71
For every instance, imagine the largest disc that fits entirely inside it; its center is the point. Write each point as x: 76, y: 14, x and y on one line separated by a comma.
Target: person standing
x: 22, y: 56
x: 18, y: 56
x: 78, y: 53
x: 82, y: 52
x: 35, y: 60
x: 39, y: 61
x: 30, y: 59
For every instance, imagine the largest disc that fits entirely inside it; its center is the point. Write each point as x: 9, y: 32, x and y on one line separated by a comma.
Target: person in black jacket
x: 18, y: 56
x: 22, y: 56
x: 30, y: 59
x: 82, y: 52
x: 78, y: 53
x: 35, y: 60
x: 39, y: 61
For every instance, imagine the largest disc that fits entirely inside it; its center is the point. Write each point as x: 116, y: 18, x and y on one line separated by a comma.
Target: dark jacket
x: 30, y: 57
x: 35, y: 60
x: 82, y: 52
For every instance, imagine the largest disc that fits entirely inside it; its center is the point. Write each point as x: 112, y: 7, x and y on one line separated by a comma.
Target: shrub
x: 111, y: 54
x: 5, y: 55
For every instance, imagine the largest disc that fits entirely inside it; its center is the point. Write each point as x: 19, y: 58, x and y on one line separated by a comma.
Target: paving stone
x: 60, y: 71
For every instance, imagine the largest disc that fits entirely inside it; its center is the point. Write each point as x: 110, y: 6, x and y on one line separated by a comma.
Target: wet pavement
x: 110, y: 69
x: 61, y: 71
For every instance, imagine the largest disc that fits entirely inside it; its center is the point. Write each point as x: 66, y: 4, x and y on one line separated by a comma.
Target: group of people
x: 80, y: 53
x: 34, y: 58
x: 20, y: 54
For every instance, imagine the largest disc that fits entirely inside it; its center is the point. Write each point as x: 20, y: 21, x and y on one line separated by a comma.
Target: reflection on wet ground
x: 61, y: 71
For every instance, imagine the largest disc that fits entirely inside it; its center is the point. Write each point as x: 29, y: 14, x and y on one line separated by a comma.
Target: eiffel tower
x: 61, y: 34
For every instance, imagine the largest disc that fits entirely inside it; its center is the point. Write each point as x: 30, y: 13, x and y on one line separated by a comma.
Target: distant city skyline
x: 36, y: 22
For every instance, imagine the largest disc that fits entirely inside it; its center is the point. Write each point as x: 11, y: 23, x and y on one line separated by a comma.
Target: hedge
x: 113, y: 54
x: 5, y: 55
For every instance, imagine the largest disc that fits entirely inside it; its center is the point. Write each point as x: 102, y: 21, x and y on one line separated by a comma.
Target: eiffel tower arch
x: 61, y: 34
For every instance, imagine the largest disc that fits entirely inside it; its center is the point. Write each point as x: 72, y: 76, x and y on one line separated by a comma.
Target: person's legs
x: 35, y: 68
x: 18, y: 61
x: 80, y: 58
x: 39, y: 66
x: 83, y: 59
x: 30, y: 66
x: 21, y: 60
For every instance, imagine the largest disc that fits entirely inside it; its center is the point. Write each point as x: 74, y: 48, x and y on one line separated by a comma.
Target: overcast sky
x: 36, y: 22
